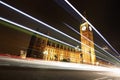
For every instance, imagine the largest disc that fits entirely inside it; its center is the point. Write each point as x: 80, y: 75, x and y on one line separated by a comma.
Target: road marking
x: 101, y: 78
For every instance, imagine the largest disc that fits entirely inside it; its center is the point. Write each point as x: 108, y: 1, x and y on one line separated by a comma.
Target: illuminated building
x: 58, y: 52
x: 87, y: 46
x: 41, y: 47
x: 44, y: 48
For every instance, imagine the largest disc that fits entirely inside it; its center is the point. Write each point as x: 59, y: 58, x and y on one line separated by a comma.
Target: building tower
x: 88, y: 53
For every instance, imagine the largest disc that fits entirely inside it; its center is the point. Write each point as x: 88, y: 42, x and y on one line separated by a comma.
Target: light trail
x: 90, y: 24
x: 15, y: 9
x: 72, y: 28
x: 105, y: 60
x: 90, y: 41
x: 92, y: 27
x: 55, y: 65
x: 21, y: 12
x: 26, y: 28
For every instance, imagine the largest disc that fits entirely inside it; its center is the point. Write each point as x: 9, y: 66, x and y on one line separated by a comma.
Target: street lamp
x: 45, y: 54
x: 77, y: 48
x: 97, y: 63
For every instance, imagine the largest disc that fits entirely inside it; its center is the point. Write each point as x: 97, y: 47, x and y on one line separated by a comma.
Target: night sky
x: 103, y: 14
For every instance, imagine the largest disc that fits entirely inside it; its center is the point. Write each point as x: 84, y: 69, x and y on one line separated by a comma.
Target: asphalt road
x: 24, y: 73
x: 12, y: 69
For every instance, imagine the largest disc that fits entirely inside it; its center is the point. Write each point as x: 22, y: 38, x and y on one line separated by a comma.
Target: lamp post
x: 97, y: 63
x: 77, y: 48
x: 45, y: 54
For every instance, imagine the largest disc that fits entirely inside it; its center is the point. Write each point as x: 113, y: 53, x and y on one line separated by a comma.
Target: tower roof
x: 85, y: 15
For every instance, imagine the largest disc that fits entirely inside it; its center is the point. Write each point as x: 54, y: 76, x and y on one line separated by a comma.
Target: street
x: 12, y: 69
x: 59, y: 40
x: 22, y: 73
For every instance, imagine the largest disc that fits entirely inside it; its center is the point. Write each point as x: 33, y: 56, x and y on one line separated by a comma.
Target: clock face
x: 90, y: 28
x: 83, y: 28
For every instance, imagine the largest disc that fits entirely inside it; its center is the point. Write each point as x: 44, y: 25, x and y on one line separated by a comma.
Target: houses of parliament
x: 43, y: 48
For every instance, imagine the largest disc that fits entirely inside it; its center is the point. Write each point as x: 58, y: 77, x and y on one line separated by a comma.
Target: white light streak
x: 53, y: 64
x: 35, y: 63
x: 38, y: 21
x: 49, y: 25
x: 26, y: 28
x: 72, y: 28
x: 41, y: 23
x: 105, y: 60
x: 90, y: 41
x: 91, y: 25
x: 116, y: 70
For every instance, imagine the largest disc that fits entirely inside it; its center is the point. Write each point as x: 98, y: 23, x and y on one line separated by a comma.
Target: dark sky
x: 103, y: 14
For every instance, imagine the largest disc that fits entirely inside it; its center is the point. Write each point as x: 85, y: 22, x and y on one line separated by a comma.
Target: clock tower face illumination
x: 86, y: 31
x: 84, y: 28
x: 90, y: 28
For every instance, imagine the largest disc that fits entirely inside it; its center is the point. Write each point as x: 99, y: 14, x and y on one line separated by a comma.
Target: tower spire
x: 85, y: 15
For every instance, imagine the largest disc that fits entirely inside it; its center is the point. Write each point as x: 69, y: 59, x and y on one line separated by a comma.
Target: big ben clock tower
x: 88, y: 53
